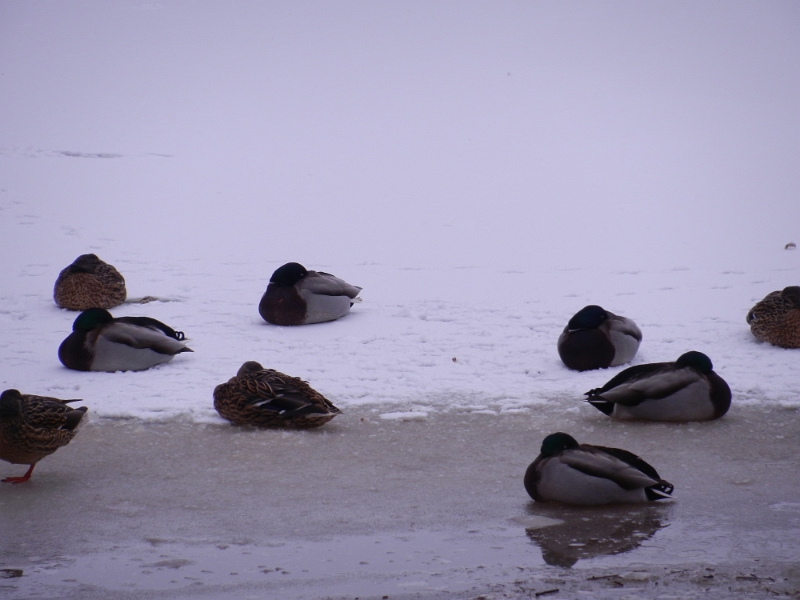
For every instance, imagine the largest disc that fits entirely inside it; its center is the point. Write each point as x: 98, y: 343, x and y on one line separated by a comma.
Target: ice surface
x: 370, y: 507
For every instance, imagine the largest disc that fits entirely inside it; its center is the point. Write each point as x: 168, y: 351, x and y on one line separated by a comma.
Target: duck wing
x: 288, y: 396
x: 325, y: 284
x: 630, y: 375
x: 633, y: 460
x: 596, y: 462
x: 153, y: 324
x: 647, y: 384
x: 136, y: 336
x: 623, y: 325
x: 42, y: 412
x: 662, y: 489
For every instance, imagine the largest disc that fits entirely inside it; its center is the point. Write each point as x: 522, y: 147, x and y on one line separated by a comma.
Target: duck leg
x: 19, y: 479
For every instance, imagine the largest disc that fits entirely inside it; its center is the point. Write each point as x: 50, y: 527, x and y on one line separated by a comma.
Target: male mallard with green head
x: 685, y: 390
x: 99, y: 342
x: 595, y: 338
x: 268, y: 398
x: 89, y: 282
x: 297, y: 296
x: 32, y: 427
x: 573, y: 473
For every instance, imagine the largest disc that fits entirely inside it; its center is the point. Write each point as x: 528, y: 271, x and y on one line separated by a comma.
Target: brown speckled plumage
x: 88, y: 283
x: 776, y: 319
x: 32, y: 427
x: 268, y: 398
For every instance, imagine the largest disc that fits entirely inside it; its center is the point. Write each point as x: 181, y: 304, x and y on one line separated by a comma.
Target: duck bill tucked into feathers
x: 681, y: 391
x: 268, y: 398
x: 99, y: 342
x: 776, y: 318
x: 591, y: 475
x: 89, y: 282
x: 296, y: 296
x: 596, y: 339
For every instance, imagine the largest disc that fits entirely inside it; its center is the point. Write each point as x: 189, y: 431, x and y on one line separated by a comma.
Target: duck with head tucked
x: 776, y: 318
x: 685, y: 390
x: 596, y: 339
x: 99, y: 342
x: 573, y: 473
x: 268, y: 398
x: 32, y: 427
x: 297, y: 296
x: 89, y: 282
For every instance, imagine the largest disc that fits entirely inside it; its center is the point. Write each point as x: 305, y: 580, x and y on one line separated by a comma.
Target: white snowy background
x: 482, y: 169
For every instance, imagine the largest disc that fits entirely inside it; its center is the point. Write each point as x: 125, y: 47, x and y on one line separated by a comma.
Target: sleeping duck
x: 582, y: 474
x: 776, y: 319
x: 89, y: 282
x: 296, y: 296
x: 267, y: 398
x: 32, y: 427
x: 596, y: 339
x: 99, y: 342
x: 685, y: 390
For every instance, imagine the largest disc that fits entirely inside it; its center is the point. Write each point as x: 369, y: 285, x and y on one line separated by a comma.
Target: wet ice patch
x: 536, y: 521
x: 405, y: 416
x: 785, y: 507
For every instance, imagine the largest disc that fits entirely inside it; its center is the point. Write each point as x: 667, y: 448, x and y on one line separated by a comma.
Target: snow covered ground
x: 397, y: 348
x: 482, y: 170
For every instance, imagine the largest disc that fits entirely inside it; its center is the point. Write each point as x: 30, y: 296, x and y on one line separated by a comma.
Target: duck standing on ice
x: 297, y: 296
x: 32, y: 427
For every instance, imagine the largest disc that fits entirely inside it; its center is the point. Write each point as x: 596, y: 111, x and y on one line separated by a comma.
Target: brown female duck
x: 267, y: 398
x: 89, y: 282
x: 32, y: 427
x: 776, y: 319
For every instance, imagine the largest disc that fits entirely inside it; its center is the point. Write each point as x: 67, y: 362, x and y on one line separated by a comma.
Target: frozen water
x: 370, y: 507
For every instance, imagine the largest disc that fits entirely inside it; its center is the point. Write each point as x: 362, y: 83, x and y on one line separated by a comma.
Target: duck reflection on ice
x: 568, y: 534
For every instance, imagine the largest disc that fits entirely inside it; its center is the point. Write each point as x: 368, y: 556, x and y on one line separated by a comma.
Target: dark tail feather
x: 604, y: 406
x: 73, y: 418
x: 663, y: 489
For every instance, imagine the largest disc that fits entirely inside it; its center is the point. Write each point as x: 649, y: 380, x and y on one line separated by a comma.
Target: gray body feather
x: 617, y: 481
x: 326, y: 284
x: 327, y: 297
x: 115, y: 355
x: 626, y: 337
x: 688, y: 402
x: 573, y: 473
x: 686, y: 390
